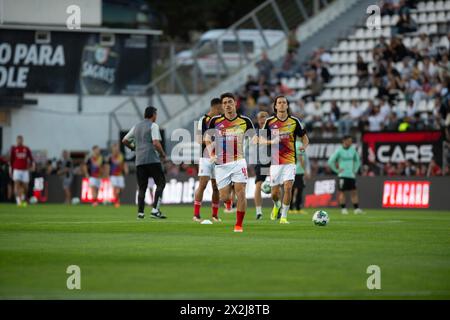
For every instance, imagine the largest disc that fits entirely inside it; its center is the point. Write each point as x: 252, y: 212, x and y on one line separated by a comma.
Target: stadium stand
x: 403, y: 73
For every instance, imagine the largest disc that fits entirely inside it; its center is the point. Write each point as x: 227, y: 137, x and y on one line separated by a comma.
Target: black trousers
x: 144, y: 172
x: 299, y: 185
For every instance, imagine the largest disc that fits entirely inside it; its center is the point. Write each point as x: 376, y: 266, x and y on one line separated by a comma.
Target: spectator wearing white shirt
x: 375, y: 120
x: 385, y: 109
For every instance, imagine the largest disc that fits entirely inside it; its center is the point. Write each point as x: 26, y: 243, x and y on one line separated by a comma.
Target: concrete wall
x: 54, y: 123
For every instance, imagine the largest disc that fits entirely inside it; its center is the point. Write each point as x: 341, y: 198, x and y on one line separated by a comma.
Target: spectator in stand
x: 406, y: 24
x: 315, y: 86
x: 375, y: 120
x: 289, y: 65
x: 265, y: 67
x: 391, y: 123
x: 421, y: 45
x: 389, y: 169
x: 433, y: 169
x: 362, y: 71
x: 410, y: 169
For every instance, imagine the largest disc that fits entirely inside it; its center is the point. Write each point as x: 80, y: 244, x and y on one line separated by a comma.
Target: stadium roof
x: 149, y: 32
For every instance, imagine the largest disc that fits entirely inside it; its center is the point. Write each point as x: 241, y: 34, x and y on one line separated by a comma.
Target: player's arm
x: 269, y: 140
x: 84, y: 168
x: 31, y: 159
x: 209, y: 142
x: 198, y: 132
x: 301, y: 132
x: 332, y: 162
x: 106, y: 167
x: 127, y: 138
x: 12, y: 158
x: 156, y: 139
x: 126, y: 170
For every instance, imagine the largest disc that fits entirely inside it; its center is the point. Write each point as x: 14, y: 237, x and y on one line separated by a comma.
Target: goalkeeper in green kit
x: 348, y: 163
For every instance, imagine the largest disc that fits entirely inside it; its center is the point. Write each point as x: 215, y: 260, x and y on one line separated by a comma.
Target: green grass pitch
x: 122, y: 258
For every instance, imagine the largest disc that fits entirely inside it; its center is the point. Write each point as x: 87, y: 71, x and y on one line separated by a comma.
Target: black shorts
x: 151, y: 170
x: 347, y: 184
x: 299, y: 182
x: 261, y: 177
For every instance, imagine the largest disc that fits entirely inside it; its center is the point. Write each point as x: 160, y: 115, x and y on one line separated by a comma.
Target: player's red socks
x: 215, y: 209
x: 197, y: 206
x: 228, y: 204
x: 239, y: 218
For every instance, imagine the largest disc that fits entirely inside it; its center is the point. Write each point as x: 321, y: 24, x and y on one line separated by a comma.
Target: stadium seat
x: 422, y: 18
x: 373, y: 93
x: 345, y: 107
x: 439, y: 6
x: 441, y: 17
x: 431, y: 18
x: 326, y: 107
x: 345, y: 94
x: 430, y: 6
x: 354, y: 94
x: 430, y: 105
x: 352, y: 69
x: 421, y: 6
x: 433, y: 29
x: 326, y: 94
x: 447, y: 5
x: 386, y: 21
x: 394, y: 19
x: 364, y: 94
x: 422, y: 106
x: 387, y: 32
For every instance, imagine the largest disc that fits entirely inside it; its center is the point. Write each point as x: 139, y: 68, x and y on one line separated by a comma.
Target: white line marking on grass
x: 237, y: 295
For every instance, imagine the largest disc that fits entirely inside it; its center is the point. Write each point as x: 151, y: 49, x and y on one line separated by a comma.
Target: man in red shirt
x: 21, y: 161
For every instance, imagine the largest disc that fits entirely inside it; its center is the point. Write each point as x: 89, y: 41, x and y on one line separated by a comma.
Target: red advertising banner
x: 105, y: 193
x: 406, y: 194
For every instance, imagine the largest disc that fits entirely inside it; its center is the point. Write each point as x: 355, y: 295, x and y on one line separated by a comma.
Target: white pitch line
x: 237, y: 295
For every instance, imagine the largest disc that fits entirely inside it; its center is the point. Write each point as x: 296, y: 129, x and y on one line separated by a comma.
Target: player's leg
x: 26, y: 184
x: 355, y: 199
x: 230, y: 204
x: 142, y: 176
x: 341, y: 195
x: 158, y: 176
x: 67, y: 194
x: 241, y: 205
x: 287, y: 188
x: 275, y: 183
x: 215, y: 201
x: 18, y: 192
x: 258, y: 199
x: 198, y: 196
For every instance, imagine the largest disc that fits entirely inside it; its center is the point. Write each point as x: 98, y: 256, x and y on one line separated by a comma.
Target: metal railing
x: 225, y: 52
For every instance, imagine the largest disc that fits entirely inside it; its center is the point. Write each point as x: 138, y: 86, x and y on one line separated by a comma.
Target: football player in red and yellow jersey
x: 93, y: 169
x: 117, y: 168
x: 206, y: 168
x: 227, y: 151
x: 283, y: 130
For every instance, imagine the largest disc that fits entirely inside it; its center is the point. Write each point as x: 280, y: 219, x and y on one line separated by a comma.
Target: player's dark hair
x: 227, y: 95
x: 275, y: 104
x: 149, y: 112
x: 346, y: 137
x: 95, y: 147
x: 215, y: 101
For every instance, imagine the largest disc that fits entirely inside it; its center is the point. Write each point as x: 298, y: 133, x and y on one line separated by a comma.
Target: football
x: 266, y: 188
x: 320, y: 218
x: 75, y: 201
